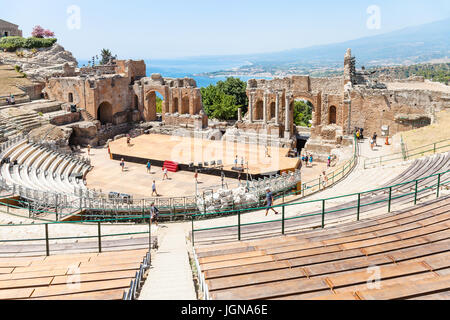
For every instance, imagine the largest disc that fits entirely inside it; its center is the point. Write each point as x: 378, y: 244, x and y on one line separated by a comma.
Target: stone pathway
x: 170, y: 277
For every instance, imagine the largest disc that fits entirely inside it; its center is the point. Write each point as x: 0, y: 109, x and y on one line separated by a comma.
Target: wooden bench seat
x: 85, y: 287
x: 115, y: 294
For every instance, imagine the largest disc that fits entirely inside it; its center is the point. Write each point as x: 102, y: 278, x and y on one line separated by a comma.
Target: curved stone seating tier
x: 409, y: 251
x: 42, y: 169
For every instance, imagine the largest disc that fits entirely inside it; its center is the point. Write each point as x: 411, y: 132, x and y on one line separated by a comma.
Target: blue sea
x: 181, y: 68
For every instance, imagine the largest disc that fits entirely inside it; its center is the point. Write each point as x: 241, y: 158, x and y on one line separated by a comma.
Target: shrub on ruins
x: 106, y: 56
x: 223, y: 100
x: 39, y: 32
x: 12, y: 44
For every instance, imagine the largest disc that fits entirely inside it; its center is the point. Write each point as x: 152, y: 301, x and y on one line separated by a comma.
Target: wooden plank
x: 254, y: 278
x: 89, y: 277
x: 402, y: 291
x: 346, y: 265
x: 233, y: 256
x: 270, y: 290
x: 346, y: 296
x: 64, y: 289
x: 25, y: 283
x: 386, y: 272
x: 30, y: 275
x: 88, y: 268
x: 115, y: 294
x: 240, y: 270
x: 235, y: 263
x: 6, y: 270
x: 11, y: 294
x: 387, y: 282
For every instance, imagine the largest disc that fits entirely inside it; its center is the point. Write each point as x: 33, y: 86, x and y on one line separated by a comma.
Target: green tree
x: 302, y: 113
x: 237, y: 88
x: 219, y: 105
x: 223, y: 100
x: 159, y: 102
x: 106, y: 56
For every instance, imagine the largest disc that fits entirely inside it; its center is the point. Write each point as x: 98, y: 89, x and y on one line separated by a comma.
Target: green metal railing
x: 99, y: 236
x: 404, y: 155
x: 324, y: 212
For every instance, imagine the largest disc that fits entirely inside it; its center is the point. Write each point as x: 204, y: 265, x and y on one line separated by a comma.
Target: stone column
x: 265, y: 107
x: 250, y: 107
x: 277, y: 109
x: 239, y: 114
x: 287, y: 126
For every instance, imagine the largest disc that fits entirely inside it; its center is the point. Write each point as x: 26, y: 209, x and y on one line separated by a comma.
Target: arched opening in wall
x: 184, y: 105
x: 153, y: 105
x: 259, y: 110
x: 302, y: 112
x: 136, y: 102
x: 272, y: 114
x: 70, y: 97
x: 175, y: 105
x: 332, y: 115
x: 104, y: 113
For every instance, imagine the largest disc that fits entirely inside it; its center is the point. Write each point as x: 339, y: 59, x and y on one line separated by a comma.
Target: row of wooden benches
x: 97, y: 276
x: 404, y: 246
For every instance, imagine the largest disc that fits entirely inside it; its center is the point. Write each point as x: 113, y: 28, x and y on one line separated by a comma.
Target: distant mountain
x: 407, y: 46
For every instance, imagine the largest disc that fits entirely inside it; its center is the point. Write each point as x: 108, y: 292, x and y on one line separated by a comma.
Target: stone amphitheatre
x: 68, y: 209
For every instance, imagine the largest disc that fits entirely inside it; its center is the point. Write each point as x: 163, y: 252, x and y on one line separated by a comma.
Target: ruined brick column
x: 250, y: 107
x: 277, y: 109
x: 287, y: 131
x: 265, y: 107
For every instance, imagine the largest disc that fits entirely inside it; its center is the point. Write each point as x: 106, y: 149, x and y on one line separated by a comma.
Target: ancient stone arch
x: 175, y: 105
x: 184, y: 105
x: 332, y: 115
x: 105, y: 112
x: 259, y: 110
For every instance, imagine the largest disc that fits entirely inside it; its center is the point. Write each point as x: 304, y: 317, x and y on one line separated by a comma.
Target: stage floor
x: 185, y: 150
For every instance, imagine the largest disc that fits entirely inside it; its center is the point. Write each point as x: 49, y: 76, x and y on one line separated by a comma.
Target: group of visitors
x: 308, y: 160
x: 359, y: 133
x: 236, y: 161
x: 10, y: 100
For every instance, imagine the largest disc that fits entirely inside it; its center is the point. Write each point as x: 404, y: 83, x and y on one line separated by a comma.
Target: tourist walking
x: 89, y: 149
x: 149, y: 167
x: 154, y: 213
x: 12, y: 100
x: 196, y: 176
x: 166, y: 176
x: 154, y: 189
x: 122, y: 164
x: 329, y: 161
x: 375, y: 136
x: 236, y: 162
x: 242, y: 162
x: 269, y: 201
x: 310, y: 160
x: 324, y: 179
x: 307, y: 160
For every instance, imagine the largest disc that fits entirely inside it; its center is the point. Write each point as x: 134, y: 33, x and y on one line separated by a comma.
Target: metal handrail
x: 438, y: 185
x: 406, y: 155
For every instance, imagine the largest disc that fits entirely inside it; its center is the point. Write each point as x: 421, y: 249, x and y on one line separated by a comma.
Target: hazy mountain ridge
x: 412, y: 45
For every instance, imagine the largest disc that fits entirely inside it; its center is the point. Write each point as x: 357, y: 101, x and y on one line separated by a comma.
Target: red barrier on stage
x: 171, y: 166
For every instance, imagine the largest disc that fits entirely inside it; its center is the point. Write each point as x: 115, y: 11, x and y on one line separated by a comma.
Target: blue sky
x: 168, y: 29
